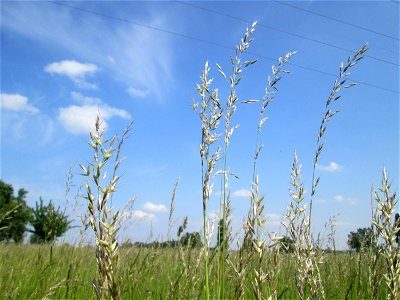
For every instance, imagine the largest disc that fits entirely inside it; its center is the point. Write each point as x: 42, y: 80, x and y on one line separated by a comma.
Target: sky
x: 139, y: 62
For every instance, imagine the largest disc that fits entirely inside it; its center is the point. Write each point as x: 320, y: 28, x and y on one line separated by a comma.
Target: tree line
x: 46, y: 223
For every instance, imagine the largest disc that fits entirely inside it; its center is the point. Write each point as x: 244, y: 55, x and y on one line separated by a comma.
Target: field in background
x: 67, y: 272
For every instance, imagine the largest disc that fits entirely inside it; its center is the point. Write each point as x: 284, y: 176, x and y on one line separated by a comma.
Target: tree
x: 48, y: 223
x: 288, y: 244
x: 360, y: 239
x: 191, y: 239
x: 14, y: 213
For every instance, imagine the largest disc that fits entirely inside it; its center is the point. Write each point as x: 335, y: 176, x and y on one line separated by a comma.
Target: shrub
x: 48, y: 223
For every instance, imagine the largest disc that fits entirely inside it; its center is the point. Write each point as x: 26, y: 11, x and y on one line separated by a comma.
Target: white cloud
x: 139, y: 93
x: 71, y: 68
x: 242, y: 193
x: 78, y: 119
x: 347, y: 200
x: 332, y: 167
x: 154, y: 208
x: 16, y: 102
x: 74, y: 70
x: 135, y: 56
x: 142, y: 215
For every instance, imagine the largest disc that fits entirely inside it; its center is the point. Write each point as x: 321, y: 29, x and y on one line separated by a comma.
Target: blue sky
x: 140, y: 61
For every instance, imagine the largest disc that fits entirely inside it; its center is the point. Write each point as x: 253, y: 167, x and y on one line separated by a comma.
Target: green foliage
x: 288, y: 244
x: 14, y: 213
x: 191, y: 240
x: 48, y: 223
x: 361, y: 239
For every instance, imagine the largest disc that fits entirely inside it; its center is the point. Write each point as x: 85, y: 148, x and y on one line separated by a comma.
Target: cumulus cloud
x: 242, y: 193
x: 17, y: 103
x: 78, y: 119
x: 332, y: 167
x: 154, y: 208
x: 142, y: 215
x: 74, y: 70
x: 139, y: 93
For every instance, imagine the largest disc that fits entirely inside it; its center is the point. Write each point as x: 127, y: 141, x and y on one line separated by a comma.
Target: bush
x: 48, y: 223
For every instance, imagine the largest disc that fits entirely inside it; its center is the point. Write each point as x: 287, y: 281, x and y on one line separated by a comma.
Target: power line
x: 334, y: 19
x: 114, y: 18
x: 283, y: 31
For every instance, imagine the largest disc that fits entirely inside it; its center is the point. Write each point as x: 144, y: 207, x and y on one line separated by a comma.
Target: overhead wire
x: 209, y: 42
x: 335, y: 19
x: 282, y: 31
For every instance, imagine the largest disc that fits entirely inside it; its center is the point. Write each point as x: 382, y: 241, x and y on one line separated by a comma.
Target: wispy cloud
x: 332, y: 167
x: 274, y: 219
x: 140, y: 57
x: 154, y: 208
x: 78, y: 97
x: 75, y: 71
x: 347, y: 200
x: 138, y: 93
x: 242, y: 193
x: 17, y: 103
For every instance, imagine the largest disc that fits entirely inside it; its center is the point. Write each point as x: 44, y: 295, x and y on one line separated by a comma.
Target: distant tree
x: 361, y: 239
x: 48, y: 223
x: 288, y: 244
x: 191, y: 240
x: 14, y: 213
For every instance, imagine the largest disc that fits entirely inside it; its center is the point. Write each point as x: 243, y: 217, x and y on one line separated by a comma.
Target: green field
x: 67, y: 272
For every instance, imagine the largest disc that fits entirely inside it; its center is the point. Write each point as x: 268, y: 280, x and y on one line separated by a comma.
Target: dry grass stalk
x: 172, y: 208
x: 105, y: 226
x: 237, y: 68
x: 255, y: 220
x: 308, y: 276
x: 333, y: 96
x: 210, y: 113
x: 383, y: 223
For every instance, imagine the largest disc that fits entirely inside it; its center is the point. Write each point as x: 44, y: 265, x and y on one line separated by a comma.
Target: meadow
x: 66, y: 272
x: 260, y: 266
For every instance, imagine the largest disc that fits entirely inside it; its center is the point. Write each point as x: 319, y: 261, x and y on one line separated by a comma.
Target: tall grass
x: 260, y: 267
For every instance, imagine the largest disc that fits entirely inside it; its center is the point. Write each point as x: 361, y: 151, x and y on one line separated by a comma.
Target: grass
x: 260, y: 268
x: 66, y: 272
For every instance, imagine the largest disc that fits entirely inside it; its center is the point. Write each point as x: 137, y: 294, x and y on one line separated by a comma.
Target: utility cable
x: 210, y: 43
x: 334, y: 19
x: 283, y: 31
